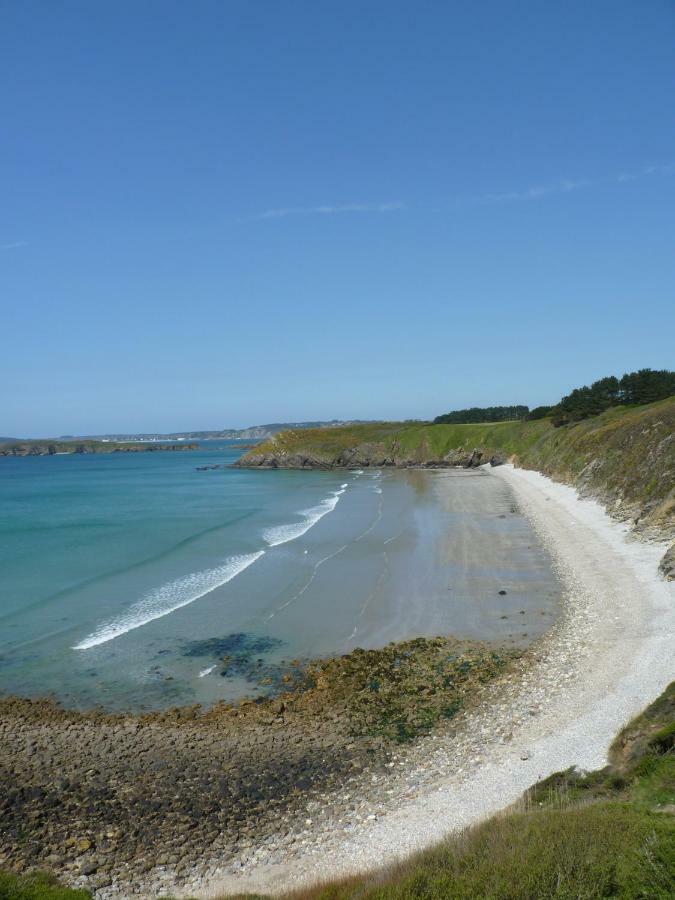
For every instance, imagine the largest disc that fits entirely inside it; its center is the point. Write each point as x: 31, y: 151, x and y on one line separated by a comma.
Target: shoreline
x: 262, y: 798
x: 608, y: 656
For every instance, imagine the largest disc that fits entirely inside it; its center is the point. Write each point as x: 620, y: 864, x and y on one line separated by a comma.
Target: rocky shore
x: 134, y: 805
x: 367, y: 456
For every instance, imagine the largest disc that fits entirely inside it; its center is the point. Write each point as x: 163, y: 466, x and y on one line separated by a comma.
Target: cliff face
x: 625, y: 458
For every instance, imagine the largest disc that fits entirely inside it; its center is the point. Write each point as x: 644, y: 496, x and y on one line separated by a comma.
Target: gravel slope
x: 611, y: 653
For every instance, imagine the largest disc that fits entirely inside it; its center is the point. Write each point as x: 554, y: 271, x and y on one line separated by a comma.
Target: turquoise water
x: 125, y: 576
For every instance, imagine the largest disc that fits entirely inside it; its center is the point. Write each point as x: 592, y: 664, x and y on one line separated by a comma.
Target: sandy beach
x: 610, y: 654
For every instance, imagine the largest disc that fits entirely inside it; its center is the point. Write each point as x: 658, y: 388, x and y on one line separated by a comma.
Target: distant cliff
x: 624, y: 457
x: 54, y: 448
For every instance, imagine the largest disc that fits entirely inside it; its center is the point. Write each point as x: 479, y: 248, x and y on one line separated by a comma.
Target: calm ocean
x: 127, y: 577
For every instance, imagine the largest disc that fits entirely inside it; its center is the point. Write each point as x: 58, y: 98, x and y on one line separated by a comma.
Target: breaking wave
x: 169, y: 597
x: 282, y: 534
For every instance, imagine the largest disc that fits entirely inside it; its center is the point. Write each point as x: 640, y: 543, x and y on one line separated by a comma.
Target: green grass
x: 604, y: 850
x: 37, y: 886
x: 329, y: 442
x: 438, y: 440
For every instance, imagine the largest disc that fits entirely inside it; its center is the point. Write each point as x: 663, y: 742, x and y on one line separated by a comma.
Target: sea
x: 148, y: 580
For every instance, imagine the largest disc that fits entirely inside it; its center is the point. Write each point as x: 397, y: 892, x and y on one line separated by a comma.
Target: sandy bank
x: 610, y: 654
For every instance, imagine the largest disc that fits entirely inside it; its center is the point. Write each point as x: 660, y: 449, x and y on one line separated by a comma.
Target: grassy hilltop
x: 625, y: 456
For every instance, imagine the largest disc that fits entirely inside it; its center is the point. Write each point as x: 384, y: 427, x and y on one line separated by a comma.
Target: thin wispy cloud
x: 327, y: 210
x: 647, y: 172
x: 565, y: 186
x: 14, y: 245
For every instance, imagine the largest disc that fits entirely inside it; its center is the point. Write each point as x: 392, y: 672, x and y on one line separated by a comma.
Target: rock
x: 497, y: 460
x: 502, y: 593
x: 475, y: 459
x: 667, y: 565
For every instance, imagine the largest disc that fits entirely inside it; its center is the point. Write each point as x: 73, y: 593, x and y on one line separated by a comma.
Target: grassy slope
x: 626, y: 454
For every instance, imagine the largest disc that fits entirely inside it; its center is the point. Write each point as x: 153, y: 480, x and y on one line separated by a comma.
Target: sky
x: 217, y: 214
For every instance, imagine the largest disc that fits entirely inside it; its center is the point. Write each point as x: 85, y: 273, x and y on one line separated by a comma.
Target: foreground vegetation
x: 609, y: 833
x: 36, y: 886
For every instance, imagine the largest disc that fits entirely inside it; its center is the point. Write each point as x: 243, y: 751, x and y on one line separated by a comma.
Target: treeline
x: 486, y: 414
x: 634, y: 388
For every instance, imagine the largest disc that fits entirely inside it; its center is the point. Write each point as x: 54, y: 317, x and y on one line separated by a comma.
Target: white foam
x: 282, y: 534
x: 205, y: 672
x: 168, y: 598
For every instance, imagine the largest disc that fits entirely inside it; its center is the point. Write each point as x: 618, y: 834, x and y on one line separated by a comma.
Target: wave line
x: 168, y: 598
x: 282, y: 534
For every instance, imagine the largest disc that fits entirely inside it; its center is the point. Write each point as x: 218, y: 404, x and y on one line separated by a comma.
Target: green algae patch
x: 405, y: 689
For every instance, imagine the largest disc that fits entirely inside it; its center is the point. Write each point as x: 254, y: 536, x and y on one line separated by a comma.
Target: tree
x: 482, y: 414
x: 644, y: 386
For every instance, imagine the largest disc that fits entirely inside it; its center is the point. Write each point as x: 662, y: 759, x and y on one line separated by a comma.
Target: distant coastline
x: 57, y: 448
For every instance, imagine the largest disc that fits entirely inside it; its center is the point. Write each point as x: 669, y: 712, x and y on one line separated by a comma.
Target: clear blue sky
x: 225, y: 213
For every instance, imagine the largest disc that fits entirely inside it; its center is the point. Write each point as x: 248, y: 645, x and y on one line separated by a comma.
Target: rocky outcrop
x: 364, y: 456
x: 282, y: 461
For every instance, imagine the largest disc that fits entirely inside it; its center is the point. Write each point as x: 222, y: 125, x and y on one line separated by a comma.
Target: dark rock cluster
x: 366, y: 456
